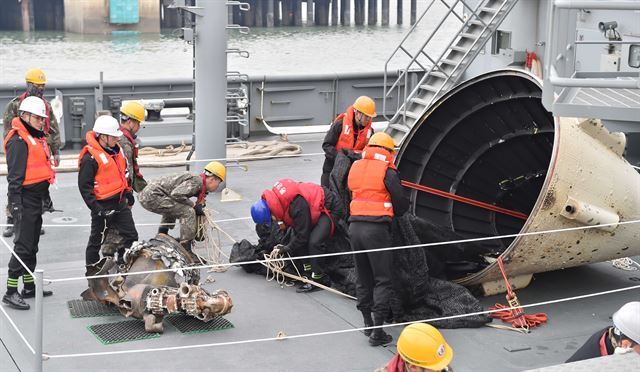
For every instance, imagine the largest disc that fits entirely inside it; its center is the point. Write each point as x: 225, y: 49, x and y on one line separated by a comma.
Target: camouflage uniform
x: 169, y: 196
x: 135, y: 180
x: 53, y: 139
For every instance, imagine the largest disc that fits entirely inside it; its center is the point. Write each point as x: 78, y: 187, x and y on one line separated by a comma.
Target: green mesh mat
x: 125, y: 331
x: 88, y: 309
x: 188, y: 324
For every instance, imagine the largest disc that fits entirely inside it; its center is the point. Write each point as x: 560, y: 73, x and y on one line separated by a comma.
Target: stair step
x: 438, y: 74
x: 488, y: 10
x: 400, y: 127
x: 468, y: 35
x: 413, y: 115
x: 429, y: 87
x: 459, y: 48
x: 476, y: 22
x: 449, y: 62
x: 420, y: 101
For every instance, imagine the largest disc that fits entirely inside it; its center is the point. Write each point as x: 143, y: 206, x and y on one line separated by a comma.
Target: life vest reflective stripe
x: 39, y: 160
x: 346, y: 139
x: 369, y: 195
x: 111, y: 178
x: 47, y: 110
x: 280, y: 196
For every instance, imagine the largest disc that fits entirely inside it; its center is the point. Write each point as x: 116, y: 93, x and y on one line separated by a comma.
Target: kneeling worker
x: 29, y: 174
x: 377, y: 196
x: 312, y: 211
x: 421, y: 348
x: 169, y: 197
x: 102, y: 181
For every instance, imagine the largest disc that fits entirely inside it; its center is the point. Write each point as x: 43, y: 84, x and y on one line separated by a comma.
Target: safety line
x: 305, y: 335
x: 17, y: 330
x: 348, y: 252
x: 137, y: 224
x: 638, y: 168
x: 16, y: 256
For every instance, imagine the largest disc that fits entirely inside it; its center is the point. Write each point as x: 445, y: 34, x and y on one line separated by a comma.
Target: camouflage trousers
x: 171, y: 211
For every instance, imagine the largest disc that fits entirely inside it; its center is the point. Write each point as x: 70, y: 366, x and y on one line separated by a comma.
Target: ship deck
x: 262, y: 309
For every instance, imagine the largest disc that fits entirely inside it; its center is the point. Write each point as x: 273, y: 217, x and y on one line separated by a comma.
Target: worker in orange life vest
x: 312, y: 211
x: 350, y: 131
x: 30, y: 172
x: 377, y: 196
x: 102, y: 181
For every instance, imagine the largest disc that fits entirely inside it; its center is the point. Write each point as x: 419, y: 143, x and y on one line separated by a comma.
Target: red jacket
x: 284, y: 191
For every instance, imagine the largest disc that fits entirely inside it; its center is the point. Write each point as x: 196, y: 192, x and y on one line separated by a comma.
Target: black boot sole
x: 380, y: 341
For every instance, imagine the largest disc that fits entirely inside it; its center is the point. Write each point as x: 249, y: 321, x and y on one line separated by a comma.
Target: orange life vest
x: 279, y: 199
x: 111, y: 177
x: 369, y: 196
x: 345, y: 141
x: 39, y: 160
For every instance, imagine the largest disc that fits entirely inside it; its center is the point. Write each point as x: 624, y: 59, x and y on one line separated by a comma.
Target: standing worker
x: 421, y: 348
x: 103, y: 185
x: 170, y: 196
x: 377, y: 196
x: 30, y: 172
x: 131, y: 116
x: 36, y: 81
x: 349, y: 131
x: 312, y: 211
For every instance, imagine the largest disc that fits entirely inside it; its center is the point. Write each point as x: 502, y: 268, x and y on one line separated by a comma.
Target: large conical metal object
x: 491, y: 139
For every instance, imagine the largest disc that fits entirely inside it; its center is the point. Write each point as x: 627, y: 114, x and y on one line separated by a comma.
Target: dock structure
x: 150, y: 16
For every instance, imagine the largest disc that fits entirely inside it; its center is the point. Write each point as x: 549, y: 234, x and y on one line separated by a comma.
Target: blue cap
x: 260, y: 212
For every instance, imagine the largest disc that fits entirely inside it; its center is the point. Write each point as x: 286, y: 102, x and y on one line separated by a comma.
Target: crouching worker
x: 170, y: 196
x: 312, y: 211
x: 102, y: 181
x: 377, y: 196
x: 421, y: 348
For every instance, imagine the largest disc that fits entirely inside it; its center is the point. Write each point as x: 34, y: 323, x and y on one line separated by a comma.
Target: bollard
x: 37, y: 341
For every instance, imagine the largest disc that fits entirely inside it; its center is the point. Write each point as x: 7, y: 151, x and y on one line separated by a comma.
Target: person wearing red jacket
x: 312, y: 211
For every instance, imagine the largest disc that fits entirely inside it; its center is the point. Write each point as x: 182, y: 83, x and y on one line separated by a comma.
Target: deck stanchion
x: 37, y: 341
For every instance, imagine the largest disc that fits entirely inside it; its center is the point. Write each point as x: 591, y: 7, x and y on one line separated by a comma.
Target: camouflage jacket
x: 127, y: 149
x: 53, y: 139
x: 179, y: 187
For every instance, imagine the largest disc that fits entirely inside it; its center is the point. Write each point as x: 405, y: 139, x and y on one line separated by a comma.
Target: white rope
x: 305, y: 335
x: 137, y: 224
x: 17, y: 258
x: 638, y: 168
x: 624, y: 263
x: 357, y: 252
x: 17, y: 330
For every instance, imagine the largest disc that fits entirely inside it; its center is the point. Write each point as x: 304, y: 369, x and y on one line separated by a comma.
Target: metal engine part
x: 153, y: 295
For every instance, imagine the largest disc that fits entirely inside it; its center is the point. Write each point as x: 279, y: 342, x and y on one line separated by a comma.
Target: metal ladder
x: 443, y: 72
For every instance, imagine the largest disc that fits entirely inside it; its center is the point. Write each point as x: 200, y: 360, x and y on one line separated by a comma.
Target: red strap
x: 203, y: 191
x: 603, y: 346
x: 136, y: 167
x: 462, y: 199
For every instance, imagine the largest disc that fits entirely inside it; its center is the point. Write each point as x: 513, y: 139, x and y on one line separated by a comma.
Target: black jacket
x: 591, y: 348
x: 398, y: 198
x: 301, y: 216
x: 330, y: 142
x: 86, y: 178
x: 17, y: 153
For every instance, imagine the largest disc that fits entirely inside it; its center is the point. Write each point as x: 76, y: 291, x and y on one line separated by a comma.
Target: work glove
x: 106, y: 213
x: 352, y: 155
x: 199, y: 209
x: 47, y: 204
x: 16, y: 212
x: 56, y: 156
x: 280, y: 249
x: 130, y: 199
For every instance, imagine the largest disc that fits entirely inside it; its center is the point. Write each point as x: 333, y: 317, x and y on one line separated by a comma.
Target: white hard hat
x: 34, y: 105
x: 627, y: 320
x: 107, y: 124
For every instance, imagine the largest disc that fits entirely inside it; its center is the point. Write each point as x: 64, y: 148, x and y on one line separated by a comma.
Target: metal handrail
x: 436, y: 65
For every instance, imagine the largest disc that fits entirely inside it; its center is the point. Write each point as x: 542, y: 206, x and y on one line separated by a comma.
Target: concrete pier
x: 93, y: 17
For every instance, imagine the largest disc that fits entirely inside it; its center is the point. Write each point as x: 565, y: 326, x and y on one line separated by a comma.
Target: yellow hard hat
x: 133, y: 110
x: 365, y: 105
x: 383, y: 140
x: 215, y: 169
x: 423, y: 345
x: 35, y: 76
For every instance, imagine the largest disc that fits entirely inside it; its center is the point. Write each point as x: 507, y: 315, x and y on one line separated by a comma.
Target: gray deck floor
x: 262, y: 309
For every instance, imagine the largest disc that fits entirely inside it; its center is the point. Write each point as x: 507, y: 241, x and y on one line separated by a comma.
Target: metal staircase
x: 477, y: 23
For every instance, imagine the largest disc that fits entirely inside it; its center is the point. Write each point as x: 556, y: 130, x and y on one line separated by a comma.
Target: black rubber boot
x: 31, y: 293
x: 308, y: 288
x: 368, y: 321
x: 8, y: 230
x: 379, y: 336
x: 15, y: 301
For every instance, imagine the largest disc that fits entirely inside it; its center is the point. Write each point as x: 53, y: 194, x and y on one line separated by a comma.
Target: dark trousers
x: 324, y: 179
x: 27, y: 231
x: 319, y: 235
x: 121, y: 221
x: 373, y: 287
